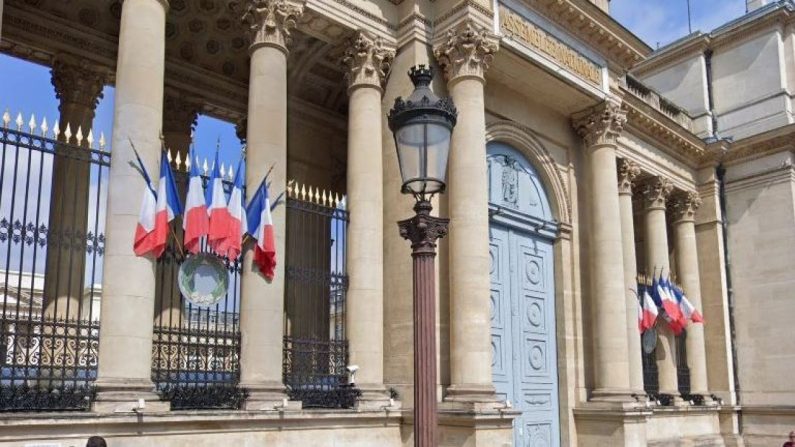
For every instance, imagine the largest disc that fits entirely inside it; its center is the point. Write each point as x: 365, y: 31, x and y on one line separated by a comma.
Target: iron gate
x: 315, y: 345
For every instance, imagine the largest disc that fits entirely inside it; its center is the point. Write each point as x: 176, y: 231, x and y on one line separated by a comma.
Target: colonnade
x: 618, y: 372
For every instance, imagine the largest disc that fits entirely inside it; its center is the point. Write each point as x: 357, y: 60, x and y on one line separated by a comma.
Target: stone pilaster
x: 684, y: 208
x: 655, y: 195
x: 78, y: 87
x: 262, y: 320
x: 464, y: 56
x: 125, y: 343
x: 366, y: 63
x: 628, y: 171
x: 600, y: 127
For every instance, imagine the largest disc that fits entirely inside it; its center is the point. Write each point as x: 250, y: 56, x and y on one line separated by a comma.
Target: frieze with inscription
x: 517, y: 27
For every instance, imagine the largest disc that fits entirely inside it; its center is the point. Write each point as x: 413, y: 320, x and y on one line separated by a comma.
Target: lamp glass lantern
x: 422, y: 125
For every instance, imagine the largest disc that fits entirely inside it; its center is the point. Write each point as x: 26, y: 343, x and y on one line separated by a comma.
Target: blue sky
x: 663, y: 21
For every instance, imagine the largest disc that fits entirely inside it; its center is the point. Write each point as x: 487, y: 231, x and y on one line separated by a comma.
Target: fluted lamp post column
x: 422, y: 125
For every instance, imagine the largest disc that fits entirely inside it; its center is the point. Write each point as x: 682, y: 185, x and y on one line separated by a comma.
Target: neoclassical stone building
x: 582, y: 160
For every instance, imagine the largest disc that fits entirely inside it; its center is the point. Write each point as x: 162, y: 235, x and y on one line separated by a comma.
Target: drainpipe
x: 721, y: 173
x: 710, y: 97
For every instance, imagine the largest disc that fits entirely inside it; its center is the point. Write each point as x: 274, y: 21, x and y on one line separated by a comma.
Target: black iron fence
x: 315, y: 345
x: 52, y: 197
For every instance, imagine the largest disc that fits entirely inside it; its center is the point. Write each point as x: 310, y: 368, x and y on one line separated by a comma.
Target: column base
x: 472, y: 398
x: 127, y: 396
x: 269, y: 397
x: 618, y: 396
x: 376, y: 398
x: 611, y: 424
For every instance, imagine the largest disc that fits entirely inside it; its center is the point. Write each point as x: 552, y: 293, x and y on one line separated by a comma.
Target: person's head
x: 96, y: 441
x: 792, y: 436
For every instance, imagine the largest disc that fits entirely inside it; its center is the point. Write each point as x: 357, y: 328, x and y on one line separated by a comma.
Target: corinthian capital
x: 467, y: 51
x: 684, y: 206
x: 600, y: 125
x: 270, y: 22
x: 366, y: 60
x: 78, y: 82
x: 656, y: 192
x: 628, y: 171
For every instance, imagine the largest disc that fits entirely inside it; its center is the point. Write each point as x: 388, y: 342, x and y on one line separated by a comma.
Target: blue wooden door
x: 524, y: 364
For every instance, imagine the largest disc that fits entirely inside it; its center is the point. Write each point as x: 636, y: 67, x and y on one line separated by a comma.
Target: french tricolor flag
x: 648, y: 311
x: 151, y: 234
x: 670, y: 305
x: 689, y: 312
x: 260, y: 227
x: 196, y: 223
x: 231, y: 246
x: 218, y: 229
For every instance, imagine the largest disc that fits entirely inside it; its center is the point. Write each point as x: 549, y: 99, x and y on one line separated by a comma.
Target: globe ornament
x: 203, y: 279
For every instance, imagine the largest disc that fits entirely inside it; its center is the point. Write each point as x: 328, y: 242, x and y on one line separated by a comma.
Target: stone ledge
x: 17, y: 427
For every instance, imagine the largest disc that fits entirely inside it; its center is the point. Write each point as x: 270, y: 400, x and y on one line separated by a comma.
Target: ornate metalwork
x: 650, y: 374
x: 315, y: 348
x: 49, y: 275
x: 314, y: 373
x: 682, y: 370
x: 204, y: 397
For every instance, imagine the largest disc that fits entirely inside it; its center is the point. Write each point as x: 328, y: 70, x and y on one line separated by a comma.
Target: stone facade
x: 636, y: 173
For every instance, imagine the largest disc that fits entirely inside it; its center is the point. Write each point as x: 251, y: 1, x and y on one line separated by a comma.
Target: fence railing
x: 52, y: 197
x: 315, y: 344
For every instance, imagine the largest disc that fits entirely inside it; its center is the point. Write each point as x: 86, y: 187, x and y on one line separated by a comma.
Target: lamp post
x: 422, y: 125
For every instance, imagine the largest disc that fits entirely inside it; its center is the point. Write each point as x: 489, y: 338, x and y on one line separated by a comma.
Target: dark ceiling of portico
x: 209, y: 35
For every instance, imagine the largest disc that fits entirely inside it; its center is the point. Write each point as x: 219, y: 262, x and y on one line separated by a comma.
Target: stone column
x: 655, y: 194
x: 686, y: 250
x: 465, y: 56
x: 627, y: 172
x: 179, y: 119
x: 600, y: 128
x: 78, y: 87
x: 125, y: 344
x: 366, y: 61
x: 262, y: 302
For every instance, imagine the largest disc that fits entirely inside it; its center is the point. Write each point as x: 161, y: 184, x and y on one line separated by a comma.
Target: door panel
x: 501, y: 340
x: 523, y: 333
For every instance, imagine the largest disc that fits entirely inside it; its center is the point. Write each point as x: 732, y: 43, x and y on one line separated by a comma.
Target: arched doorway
x: 522, y: 232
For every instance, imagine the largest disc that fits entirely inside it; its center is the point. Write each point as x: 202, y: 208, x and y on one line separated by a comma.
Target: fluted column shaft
x: 78, y: 87
x: 687, y: 266
x: 262, y: 302
x: 125, y: 344
x: 656, y: 195
x: 600, y: 128
x: 367, y: 62
x: 465, y: 56
x: 627, y: 173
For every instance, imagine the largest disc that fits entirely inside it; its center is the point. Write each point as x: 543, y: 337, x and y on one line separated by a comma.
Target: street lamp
x: 422, y: 125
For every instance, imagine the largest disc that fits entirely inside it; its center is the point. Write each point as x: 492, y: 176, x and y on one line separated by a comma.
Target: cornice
x: 761, y: 145
x: 592, y: 25
x: 666, y: 133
